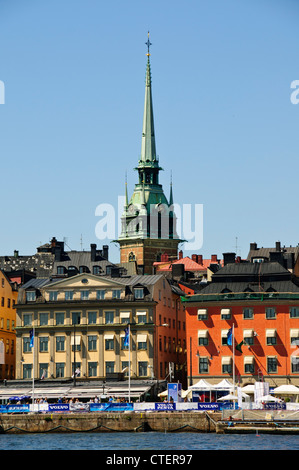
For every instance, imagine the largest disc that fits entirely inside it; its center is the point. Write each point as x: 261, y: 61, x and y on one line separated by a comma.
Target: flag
x: 127, y: 339
x: 239, y: 346
x: 31, y: 333
x: 230, y: 337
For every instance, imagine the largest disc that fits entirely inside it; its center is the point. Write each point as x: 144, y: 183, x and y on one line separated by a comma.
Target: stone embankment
x: 110, y: 422
x: 202, y: 422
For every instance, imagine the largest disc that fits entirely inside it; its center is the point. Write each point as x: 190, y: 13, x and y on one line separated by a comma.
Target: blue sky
x: 74, y: 75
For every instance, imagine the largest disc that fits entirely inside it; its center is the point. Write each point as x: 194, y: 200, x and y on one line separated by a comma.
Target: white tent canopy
x: 287, y: 390
x: 228, y: 397
x: 268, y: 398
x: 224, y: 385
x: 202, y: 385
x: 248, y: 388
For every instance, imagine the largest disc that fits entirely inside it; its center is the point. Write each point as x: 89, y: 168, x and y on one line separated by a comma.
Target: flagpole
x: 33, y: 362
x: 233, y: 340
x: 129, y: 364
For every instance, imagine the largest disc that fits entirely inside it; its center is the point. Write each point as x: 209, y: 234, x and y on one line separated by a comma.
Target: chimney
x: 180, y: 254
x: 53, y: 242
x: 93, y: 251
x: 229, y: 258
x: 199, y: 259
x: 214, y: 259
x: 277, y: 246
x: 178, y: 271
x: 105, y: 251
x: 57, y: 252
x: 253, y: 246
x: 16, y: 254
x: 194, y: 258
x: 164, y: 258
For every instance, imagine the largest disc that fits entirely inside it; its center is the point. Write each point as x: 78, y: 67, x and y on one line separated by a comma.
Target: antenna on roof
x: 81, y: 242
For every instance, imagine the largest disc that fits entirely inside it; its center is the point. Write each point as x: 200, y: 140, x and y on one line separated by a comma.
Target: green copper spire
x: 148, y: 143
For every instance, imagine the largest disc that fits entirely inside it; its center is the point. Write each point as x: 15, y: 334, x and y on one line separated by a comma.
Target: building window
x: 76, y: 318
x: 84, y: 294
x: 142, y: 368
x: 271, y: 365
x: 92, y: 318
x: 295, y: 364
x: 270, y: 312
x: 69, y: 294
x: 139, y: 293
x: 92, y: 343
x: 59, y: 318
x: 96, y: 270
x: 294, y: 312
x: 271, y: 337
x: 248, y: 337
x: 109, y: 365
x: 43, y: 319
x: 60, y: 343
x: 248, y: 313
x: 60, y: 270
x: 43, y: 344
x: 26, y: 344
x: 109, y: 343
x: 226, y: 314
x: 226, y: 365
x: 83, y: 269
x: 27, y: 371
x: 294, y: 336
x: 203, y: 365
x: 27, y: 319
x: 109, y: 317
x: 92, y: 369
x: 203, y: 339
x: 142, y: 342
x: 60, y: 366
x: 43, y: 371
x: 249, y: 365
x: 30, y: 296
x: 53, y: 296
x: 116, y: 294
x: 100, y: 294
x: 125, y: 317
x: 202, y: 314
x: 141, y: 317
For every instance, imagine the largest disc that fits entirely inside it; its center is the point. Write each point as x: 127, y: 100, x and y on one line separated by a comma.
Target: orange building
x: 8, y: 299
x: 261, y: 302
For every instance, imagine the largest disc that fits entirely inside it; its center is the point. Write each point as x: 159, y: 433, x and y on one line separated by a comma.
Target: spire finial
x: 148, y: 43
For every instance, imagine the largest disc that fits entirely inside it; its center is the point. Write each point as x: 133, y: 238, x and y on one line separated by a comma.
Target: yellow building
x: 8, y: 299
x: 79, y: 325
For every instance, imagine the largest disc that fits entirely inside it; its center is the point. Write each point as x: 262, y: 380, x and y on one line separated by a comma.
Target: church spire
x: 148, y: 143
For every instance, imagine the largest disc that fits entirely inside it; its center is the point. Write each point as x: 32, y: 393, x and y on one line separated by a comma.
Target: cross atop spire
x: 148, y: 43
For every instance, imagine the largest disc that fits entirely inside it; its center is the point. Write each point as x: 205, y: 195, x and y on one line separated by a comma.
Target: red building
x: 261, y: 301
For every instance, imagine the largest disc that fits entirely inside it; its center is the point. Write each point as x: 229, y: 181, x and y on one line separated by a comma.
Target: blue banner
x: 165, y: 406
x: 17, y: 408
x: 111, y: 407
x: 59, y: 407
x: 209, y: 406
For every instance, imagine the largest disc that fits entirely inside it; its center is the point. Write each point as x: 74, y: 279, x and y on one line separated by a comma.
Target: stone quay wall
x: 109, y: 422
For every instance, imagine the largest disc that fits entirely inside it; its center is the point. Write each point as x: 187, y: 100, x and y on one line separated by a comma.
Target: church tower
x: 148, y: 223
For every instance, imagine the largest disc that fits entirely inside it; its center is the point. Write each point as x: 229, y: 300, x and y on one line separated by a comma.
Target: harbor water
x: 154, y: 441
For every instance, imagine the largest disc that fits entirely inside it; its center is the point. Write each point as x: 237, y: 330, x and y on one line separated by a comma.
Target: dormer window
x: 83, y: 269
x: 96, y: 270
x: 60, y: 270
x: 31, y: 296
x: 139, y: 293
